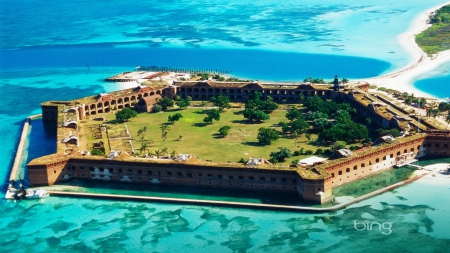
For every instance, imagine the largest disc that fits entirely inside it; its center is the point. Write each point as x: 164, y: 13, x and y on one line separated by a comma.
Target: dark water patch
x: 209, y: 242
x: 214, y: 216
x: 112, y: 243
x: 59, y: 226
x: 133, y: 220
x: 53, y: 241
x: 153, y: 234
x: 240, y: 240
x: 401, y: 198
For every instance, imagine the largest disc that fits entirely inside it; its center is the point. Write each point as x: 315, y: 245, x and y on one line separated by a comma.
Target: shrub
x: 319, y: 151
x: 96, y: 152
x: 309, y: 152
x: 157, y: 108
x: 296, y: 153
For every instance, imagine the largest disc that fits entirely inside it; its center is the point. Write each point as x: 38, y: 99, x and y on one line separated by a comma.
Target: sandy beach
x: 403, y: 79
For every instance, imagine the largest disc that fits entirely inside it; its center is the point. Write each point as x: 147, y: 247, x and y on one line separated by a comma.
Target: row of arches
x: 358, y: 169
x: 239, y: 94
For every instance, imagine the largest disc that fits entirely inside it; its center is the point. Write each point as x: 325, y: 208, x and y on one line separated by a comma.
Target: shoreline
x: 402, y: 79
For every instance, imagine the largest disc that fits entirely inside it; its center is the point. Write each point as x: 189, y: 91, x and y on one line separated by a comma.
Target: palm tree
x: 141, y: 132
x: 173, y: 154
x: 164, y: 131
x: 157, y: 153
x: 164, y: 151
x: 144, y: 146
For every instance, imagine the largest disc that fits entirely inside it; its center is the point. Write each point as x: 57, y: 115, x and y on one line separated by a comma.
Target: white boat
x: 22, y: 193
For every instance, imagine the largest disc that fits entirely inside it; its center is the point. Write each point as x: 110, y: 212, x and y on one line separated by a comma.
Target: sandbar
x: 402, y: 80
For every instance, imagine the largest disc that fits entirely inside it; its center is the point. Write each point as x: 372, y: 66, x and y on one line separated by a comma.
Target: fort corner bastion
x: 313, y: 183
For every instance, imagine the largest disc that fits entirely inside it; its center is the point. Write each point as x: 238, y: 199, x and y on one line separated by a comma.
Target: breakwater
x: 21, y: 146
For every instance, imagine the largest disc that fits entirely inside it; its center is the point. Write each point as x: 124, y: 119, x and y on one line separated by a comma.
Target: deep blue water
x: 45, y: 50
x: 254, y: 64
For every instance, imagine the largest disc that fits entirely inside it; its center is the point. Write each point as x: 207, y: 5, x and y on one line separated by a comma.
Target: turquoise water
x: 63, y: 49
x: 435, y: 82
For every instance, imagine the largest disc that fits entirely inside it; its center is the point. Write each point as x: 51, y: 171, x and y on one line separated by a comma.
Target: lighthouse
x: 336, y: 83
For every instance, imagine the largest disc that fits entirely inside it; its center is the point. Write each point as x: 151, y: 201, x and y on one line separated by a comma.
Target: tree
x: 293, y: 113
x: 394, y: 132
x: 280, y: 155
x: 255, y: 115
x: 222, y: 102
x: 298, y: 126
x: 164, y: 131
x: 321, y: 124
x: 141, y: 132
x: 318, y: 115
x: 175, y: 117
x: 350, y: 132
x: 342, y: 117
x: 183, y: 103
x: 164, y: 151
x: 165, y: 103
x: 267, y: 135
x: 212, y: 115
x: 344, y: 80
x: 444, y: 106
x: 308, y: 136
x: 125, y: 114
x: 224, y: 130
x: 338, y: 145
x: 156, y: 108
x: 319, y: 151
x: 256, y: 102
x: 144, y: 146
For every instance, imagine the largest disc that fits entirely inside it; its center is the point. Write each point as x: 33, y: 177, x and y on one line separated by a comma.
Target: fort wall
x: 362, y: 163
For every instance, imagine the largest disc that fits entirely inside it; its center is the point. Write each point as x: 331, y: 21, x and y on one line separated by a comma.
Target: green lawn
x: 204, y: 142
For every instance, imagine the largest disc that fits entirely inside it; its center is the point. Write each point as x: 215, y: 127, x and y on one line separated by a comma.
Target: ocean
x: 64, y: 49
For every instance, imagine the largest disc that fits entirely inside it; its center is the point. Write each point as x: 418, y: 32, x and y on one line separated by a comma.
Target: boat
x: 22, y: 193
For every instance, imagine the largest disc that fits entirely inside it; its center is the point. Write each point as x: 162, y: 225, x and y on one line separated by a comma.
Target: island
x: 203, y: 130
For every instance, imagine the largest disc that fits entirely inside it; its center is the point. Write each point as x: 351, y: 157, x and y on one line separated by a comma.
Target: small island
x: 436, y: 38
x: 304, y: 138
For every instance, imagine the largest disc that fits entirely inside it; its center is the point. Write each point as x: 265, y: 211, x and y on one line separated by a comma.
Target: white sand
x: 402, y: 80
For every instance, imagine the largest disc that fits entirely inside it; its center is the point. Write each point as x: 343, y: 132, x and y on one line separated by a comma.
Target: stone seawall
x: 234, y: 204
x: 21, y: 146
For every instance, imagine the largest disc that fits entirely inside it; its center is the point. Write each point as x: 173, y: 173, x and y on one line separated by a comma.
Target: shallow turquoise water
x: 45, y: 47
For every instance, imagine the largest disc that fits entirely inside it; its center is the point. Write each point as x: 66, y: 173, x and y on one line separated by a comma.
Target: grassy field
x: 436, y: 38
x: 191, y: 136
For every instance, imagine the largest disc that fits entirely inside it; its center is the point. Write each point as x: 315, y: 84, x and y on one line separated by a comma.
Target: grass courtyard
x: 191, y: 136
